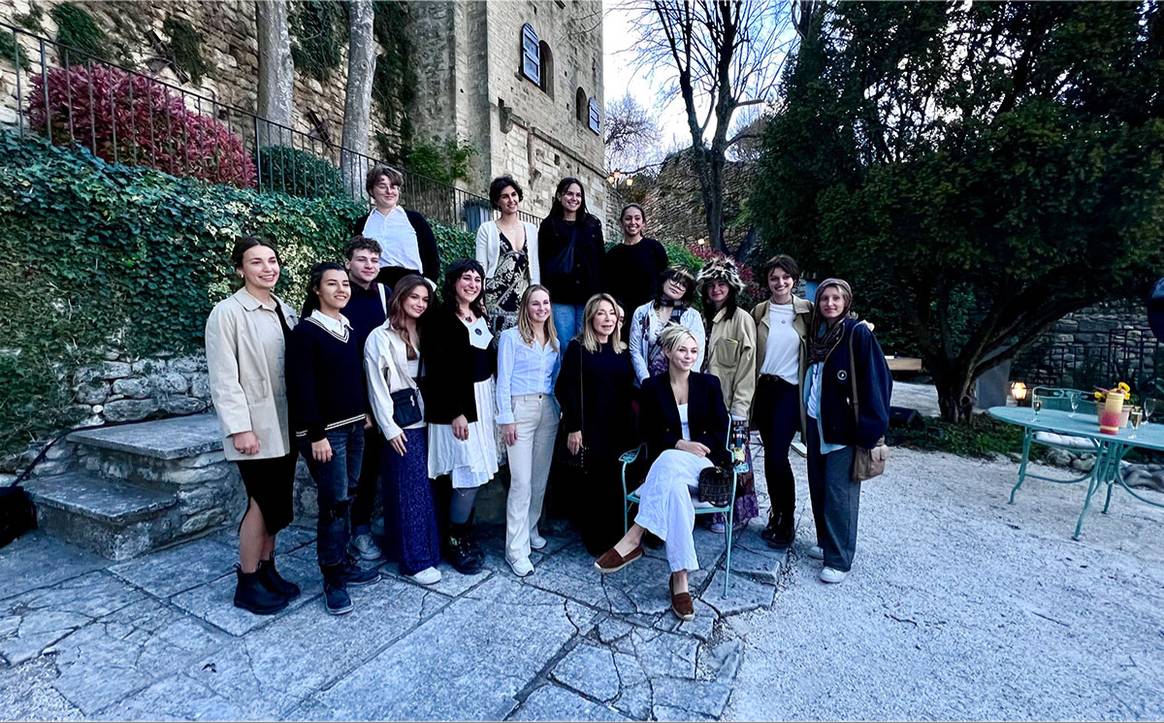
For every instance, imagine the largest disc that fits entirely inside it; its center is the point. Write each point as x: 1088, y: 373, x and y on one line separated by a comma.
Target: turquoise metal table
x: 1110, y: 449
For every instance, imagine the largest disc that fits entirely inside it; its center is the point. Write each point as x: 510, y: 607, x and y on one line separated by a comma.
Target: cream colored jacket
x: 386, y: 368
x: 803, y: 310
x: 245, y: 352
x: 731, y: 356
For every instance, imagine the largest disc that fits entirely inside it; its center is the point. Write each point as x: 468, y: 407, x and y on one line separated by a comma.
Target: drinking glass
x: 1074, y: 399
x: 1135, y: 418
x: 1149, y: 408
x: 1036, y: 404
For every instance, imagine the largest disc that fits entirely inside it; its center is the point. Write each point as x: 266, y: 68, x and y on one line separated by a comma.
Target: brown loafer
x: 611, y: 561
x: 681, y: 603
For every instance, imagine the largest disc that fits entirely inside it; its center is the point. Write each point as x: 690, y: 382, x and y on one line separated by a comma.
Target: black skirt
x: 271, y: 484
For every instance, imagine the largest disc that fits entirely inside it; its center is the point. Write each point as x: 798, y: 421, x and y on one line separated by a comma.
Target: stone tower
x: 520, y: 80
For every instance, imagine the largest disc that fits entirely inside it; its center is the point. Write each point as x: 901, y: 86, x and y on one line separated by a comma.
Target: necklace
x: 467, y: 317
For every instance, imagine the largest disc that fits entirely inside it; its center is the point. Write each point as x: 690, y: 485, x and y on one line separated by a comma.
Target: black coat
x: 595, y: 390
x: 576, y: 282
x: 839, y: 420
x: 448, y: 368
x: 706, y: 416
x: 430, y: 257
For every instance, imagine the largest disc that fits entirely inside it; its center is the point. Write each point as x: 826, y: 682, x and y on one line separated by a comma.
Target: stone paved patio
x: 960, y: 606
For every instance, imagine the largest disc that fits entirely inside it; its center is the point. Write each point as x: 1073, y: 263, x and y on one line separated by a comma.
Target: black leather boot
x: 252, y: 595
x: 276, y: 582
x: 459, y: 551
x: 780, y: 532
x: 336, y: 599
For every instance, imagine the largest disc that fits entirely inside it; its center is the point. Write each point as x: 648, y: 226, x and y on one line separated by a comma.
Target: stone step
x: 113, y: 518
x: 165, y: 439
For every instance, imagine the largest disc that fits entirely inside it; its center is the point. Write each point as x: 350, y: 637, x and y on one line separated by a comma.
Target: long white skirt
x: 471, y: 462
x: 666, y: 507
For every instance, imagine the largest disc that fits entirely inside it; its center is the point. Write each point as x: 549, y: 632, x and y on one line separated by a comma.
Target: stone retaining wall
x: 121, y: 390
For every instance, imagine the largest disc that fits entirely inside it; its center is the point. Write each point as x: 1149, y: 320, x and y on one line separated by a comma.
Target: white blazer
x: 489, y: 249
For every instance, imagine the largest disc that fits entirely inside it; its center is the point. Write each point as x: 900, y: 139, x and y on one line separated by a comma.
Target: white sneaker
x: 816, y: 552
x: 536, y: 541
x: 830, y: 575
x: 365, y: 547
x: 522, y: 567
x: 717, y: 527
x: 427, y: 576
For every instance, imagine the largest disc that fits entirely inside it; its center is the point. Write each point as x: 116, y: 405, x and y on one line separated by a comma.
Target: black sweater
x: 571, y: 283
x: 366, y: 311
x: 430, y: 257
x: 451, y: 368
x: 325, y: 380
x: 707, y: 416
x: 632, y: 273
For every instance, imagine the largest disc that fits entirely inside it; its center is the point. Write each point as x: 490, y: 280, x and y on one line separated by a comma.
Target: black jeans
x: 777, y: 416
x: 335, y: 481
x: 836, y: 500
x: 364, y: 500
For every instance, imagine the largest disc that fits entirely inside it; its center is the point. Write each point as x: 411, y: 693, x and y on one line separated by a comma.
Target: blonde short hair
x: 671, y: 336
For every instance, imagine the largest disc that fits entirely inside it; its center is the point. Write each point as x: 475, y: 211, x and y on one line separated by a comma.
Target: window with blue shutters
x: 595, y: 117
x: 531, y: 59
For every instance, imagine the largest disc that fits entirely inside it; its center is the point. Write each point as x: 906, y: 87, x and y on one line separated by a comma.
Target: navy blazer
x: 430, y: 257
x: 874, y: 386
x: 706, y: 416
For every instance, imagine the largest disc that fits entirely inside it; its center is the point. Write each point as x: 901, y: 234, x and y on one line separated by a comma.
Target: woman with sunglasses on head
x: 528, y: 359
x: 843, y: 358
x: 672, y: 304
x: 392, y: 365
x: 459, y: 360
x: 246, y: 337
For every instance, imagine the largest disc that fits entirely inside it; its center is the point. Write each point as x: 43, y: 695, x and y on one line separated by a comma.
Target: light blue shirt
x: 812, y: 405
x: 523, y: 369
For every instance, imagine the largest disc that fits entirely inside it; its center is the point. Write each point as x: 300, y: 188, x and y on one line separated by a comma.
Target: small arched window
x: 547, y: 68
x: 595, y: 116
x: 531, y: 57
x: 581, y: 110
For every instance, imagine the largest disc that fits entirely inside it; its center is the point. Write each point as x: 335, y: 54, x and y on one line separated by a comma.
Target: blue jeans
x: 567, y: 320
x: 336, y: 482
x: 836, y: 500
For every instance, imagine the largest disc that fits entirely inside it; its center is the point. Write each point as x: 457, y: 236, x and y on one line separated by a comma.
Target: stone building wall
x: 229, y: 47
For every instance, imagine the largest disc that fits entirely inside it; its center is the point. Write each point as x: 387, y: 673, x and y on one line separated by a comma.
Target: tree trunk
x: 276, y: 73
x: 955, y: 394
x: 358, y: 97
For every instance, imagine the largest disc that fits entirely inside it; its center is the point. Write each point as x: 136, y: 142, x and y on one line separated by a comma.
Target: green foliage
x: 76, y: 29
x: 319, y: 32
x: 31, y: 20
x: 982, y: 437
x: 394, y: 84
x: 185, y: 47
x: 297, y: 173
x: 454, y: 242
x: 444, y: 162
x: 137, y: 268
x: 11, y: 52
x: 971, y: 199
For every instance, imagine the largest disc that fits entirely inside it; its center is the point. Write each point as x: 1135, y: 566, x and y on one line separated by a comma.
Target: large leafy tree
x: 976, y: 170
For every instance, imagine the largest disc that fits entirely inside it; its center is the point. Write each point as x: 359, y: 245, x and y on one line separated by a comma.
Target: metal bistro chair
x: 701, y: 508
x: 1056, y: 398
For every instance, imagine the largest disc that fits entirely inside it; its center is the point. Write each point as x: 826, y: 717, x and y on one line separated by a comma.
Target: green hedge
x: 99, y: 256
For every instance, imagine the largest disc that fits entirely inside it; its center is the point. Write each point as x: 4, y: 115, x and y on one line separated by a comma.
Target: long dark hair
x: 396, y: 314
x: 709, y: 310
x: 449, y: 291
x: 314, y: 281
x: 556, y: 210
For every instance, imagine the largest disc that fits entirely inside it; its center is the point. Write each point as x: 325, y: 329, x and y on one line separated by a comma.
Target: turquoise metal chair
x: 1057, y: 398
x: 632, y: 498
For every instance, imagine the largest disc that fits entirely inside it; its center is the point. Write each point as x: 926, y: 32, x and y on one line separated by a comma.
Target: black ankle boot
x: 336, y: 599
x: 275, y: 582
x: 459, y: 550
x: 780, y: 532
x: 252, y: 595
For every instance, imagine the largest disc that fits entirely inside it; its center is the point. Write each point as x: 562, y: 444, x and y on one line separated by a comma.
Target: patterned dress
x: 504, y: 289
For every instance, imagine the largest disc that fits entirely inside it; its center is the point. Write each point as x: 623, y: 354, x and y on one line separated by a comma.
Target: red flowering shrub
x: 134, y: 119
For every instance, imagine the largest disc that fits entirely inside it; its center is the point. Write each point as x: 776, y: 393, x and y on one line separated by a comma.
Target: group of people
x: 545, y: 352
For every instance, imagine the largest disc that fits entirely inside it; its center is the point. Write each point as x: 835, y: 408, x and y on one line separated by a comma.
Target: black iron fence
x: 125, y: 116
x: 1130, y: 355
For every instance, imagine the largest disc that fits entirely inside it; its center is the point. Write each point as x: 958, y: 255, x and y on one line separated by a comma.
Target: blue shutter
x: 595, y: 117
x: 531, y: 62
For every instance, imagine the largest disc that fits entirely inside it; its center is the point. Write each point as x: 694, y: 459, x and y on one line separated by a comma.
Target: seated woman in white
x: 684, y: 423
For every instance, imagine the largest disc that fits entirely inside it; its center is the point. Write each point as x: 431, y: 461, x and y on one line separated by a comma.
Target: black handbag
x: 577, y: 462
x: 405, y: 407
x: 558, y: 271
x: 17, y: 515
x: 715, y: 486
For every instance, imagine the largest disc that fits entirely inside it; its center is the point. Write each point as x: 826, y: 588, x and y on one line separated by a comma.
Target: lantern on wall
x: 1018, y: 390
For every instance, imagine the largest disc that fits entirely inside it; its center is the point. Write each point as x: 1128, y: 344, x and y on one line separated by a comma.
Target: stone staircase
x: 129, y: 489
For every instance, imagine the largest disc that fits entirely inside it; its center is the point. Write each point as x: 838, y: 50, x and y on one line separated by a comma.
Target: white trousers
x: 537, y: 417
x: 666, y: 508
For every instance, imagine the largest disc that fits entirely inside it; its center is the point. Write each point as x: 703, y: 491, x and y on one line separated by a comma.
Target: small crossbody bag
x: 405, y: 403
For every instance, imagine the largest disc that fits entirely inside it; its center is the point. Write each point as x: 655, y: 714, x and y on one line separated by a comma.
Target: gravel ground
x: 960, y: 606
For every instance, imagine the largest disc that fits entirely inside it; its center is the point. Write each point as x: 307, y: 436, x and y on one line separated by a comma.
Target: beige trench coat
x: 803, y: 310
x: 245, y: 352
x: 731, y: 356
